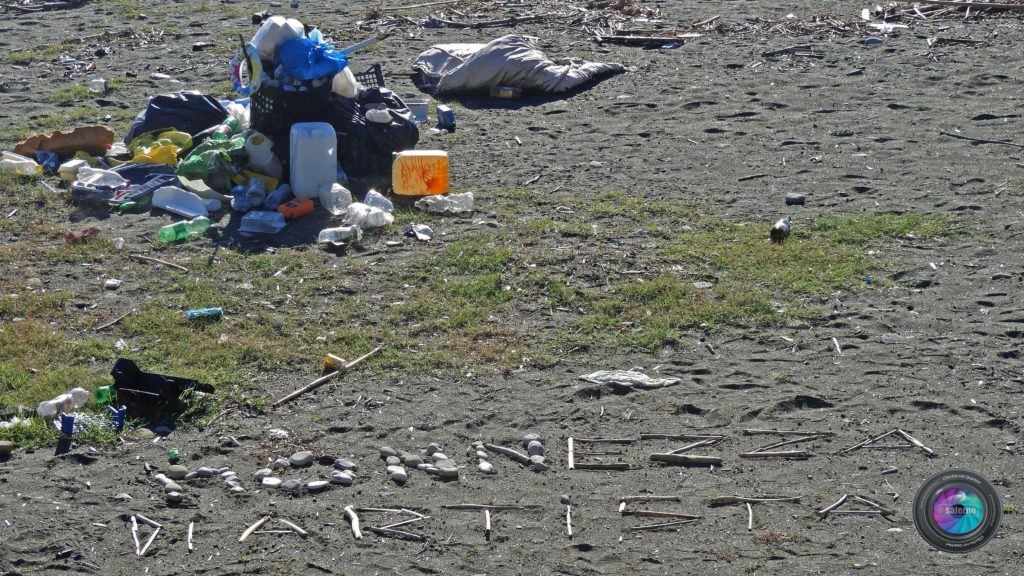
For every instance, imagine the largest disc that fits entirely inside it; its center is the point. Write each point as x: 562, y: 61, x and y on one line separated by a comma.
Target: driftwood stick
x: 782, y: 454
x: 324, y: 379
x: 825, y: 511
x: 572, y: 455
x: 605, y: 440
x: 148, y: 521
x: 354, y: 519
x: 662, y: 526
x: 730, y: 500
x: 487, y: 523
x: 494, y: 507
x: 159, y: 261
x: 784, y: 443
x: 135, y: 535
x: 188, y: 539
x: 787, y: 50
x: 294, y: 527
x: 657, y: 514
x: 517, y: 456
x: 114, y: 321
x: 687, y: 460
x: 397, y: 8
x: 983, y: 140
x: 148, y: 542
x: 916, y: 442
x: 397, y: 533
x: 388, y: 511
x: 969, y: 5
x: 762, y: 431
x: 884, y: 510
x: 683, y: 437
x: 868, y: 441
x: 603, y: 453
x: 750, y: 516
x: 698, y: 444
x: 835, y: 343
x: 619, y: 466
x: 274, y: 532
x: 645, y: 498
x: 887, y: 447
x: 568, y: 519
x: 858, y: 512
x: 405, y: 522
x: 255, y: 526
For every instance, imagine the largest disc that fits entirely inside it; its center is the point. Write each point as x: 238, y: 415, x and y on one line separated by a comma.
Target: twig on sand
x: 687, y: 460
x: 750, y: 516
x: 256, y: 526
x: 152, y: 523
x: 729, y: 500
x: 188, y: 539
x: 517, y: 456
x: 838, y: 348
x: 787, y: 50
x: 568, y: 519
x: 824, y: 511
x: 662, y: 526
x: 135, y: 534
x: 324, y: 379
x: 982, y: 140
x: 424, y: 5
x: 619, y: 466
x: 762, y: 431
x: 494, y: 507
x: 487, y: 524
x: 114, y: 321
x: 698, y: 444
x: 795, y: 454
x: 159, y: 261
x: 294, y: 527
x: 148, y: 542
x: 605, y: 440
x: 354, y: 519
x: 646, y: 498
x: 657, y: 514
x: 685, y: 437
x: 916, y: 442
x: 572, y: 455
x: 397, y: 534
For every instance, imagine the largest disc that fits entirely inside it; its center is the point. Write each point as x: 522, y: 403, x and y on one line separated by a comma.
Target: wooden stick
x: 135, y: 535
x: 295, y: 528
x: 148, y: 542
x: 868, y: 441
x: 969, y: 5
x: 662, y: 526
x: 657, y: 514
x: 517, y: 456
x: 324, y: 379
x: 605, y: 440
x: 825, y: 511
x: 782, y: 454
x: 256, y: 526
x: 397, y: 8
x: 683, y: 437
x: 647, y: 39
x: 405, y: 522
x: 114, y: 321
x: 274, y: 532
x: 592, y: 454
x: 885, y: 511
x: 645, y: 498
x: 783, y: 443
x: 397, y: 533
x: 838, y: 348
x: 495, y: 507
x: 887, y: 447
x: 388, y: 511
x: 602, y: 466
x: 858, y: 512
x: 698, y: 444
x: 916, y: 442
x: 148, y: 521
x: 982, y: 140
x: 354, y: 519
x: 762, y: 431
x: 159, y: 261
x: 487, y: 523
x: 687, y: 460
x: 787, y: 50
x: 572, y: 456
x: 188, y: 539
x: 750, y: 517
x: 729, y: 500
x: 568, y: 519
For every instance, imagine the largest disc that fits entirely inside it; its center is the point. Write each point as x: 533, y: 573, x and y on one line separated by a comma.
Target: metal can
x: 506, y: 92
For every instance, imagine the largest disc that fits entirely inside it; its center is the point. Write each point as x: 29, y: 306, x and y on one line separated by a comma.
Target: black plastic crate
x: 373, y: 77
x: 272, y: 110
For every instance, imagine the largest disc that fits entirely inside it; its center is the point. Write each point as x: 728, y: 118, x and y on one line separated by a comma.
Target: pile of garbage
x: 307, y: 131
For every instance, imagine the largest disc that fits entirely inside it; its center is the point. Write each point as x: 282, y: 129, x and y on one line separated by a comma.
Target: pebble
x: 112, y: 284
x: 291, y: 486
x: 477, y: 444
x: 345, y: 464
x: 413, y: 460
x: 538, y: 463
x: 398, y: 474
x: 432, y: 448
x: 282, y: 463
x: 6, y: 447
x: 190, y: 476
x: 386, y: 451
x: 317, y: 485
x: 174, y: 497
x: 172, y: 487
x: 199, y: 46
x: 301, y: 459
x: 703, y: 285
x: 535, y: 448
x: 794, y: 199
x: 339, y: 477
x: 227, y: 473
x: 231, y: 480
x: 447, y: 470
x: 142, y: 434
x: 531, y: 438
x: 262, y: 473
x: 161, y: 479
x: 392, y: 460
x: 486, y: 467
x: 564, y: 499
x: 205, y: 472
x: 481, y: 454
x: 438, y: 456
x: 271, y: 482
x: 123, y: 497
x: 277, y: 434
x: 237, y: 490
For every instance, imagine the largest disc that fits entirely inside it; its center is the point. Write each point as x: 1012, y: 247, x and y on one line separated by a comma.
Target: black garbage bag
x: 364, y: 147
x: 189, y: 112
x: 155, y: 398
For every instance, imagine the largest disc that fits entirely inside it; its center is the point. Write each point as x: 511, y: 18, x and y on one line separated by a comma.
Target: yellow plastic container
x: 420, y: 173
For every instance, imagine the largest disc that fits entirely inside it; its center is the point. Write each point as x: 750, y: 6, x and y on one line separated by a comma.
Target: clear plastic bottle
x: 256, y: 193
x: 335, y: 198
x: 339, y: 235
x: 18, y: 164
x: 278, y: 197
x: 183, y: 230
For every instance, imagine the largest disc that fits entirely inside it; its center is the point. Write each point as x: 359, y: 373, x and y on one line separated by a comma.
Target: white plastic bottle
x: 314, y: 158
x: 335, y: 198
x: 11, y: 162
x: 344, y: 83
x: 275, y: 31
x: 261, y: 155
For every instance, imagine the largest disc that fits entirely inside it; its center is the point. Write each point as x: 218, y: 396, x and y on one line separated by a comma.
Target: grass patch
x: 71, y: 95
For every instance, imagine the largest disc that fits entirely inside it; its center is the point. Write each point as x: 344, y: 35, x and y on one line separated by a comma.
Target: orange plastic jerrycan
x: 420, y: 173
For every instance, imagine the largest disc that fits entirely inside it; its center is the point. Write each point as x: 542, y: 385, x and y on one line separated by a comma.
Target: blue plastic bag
x: 304, y: 59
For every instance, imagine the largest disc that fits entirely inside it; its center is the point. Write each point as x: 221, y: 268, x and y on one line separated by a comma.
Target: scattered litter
x: 453, y: 203
x: 419, y: 231
x: 628, y: 379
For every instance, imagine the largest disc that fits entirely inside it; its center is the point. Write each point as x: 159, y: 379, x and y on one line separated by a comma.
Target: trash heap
x: 307, y: 131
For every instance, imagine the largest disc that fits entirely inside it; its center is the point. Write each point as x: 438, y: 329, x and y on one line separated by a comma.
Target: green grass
x: 71, y: 95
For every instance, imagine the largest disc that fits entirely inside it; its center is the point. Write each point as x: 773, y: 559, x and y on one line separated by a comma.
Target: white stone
x: 271, y: 482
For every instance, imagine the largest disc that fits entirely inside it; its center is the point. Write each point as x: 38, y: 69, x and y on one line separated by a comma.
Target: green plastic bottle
x: 183, y: 230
